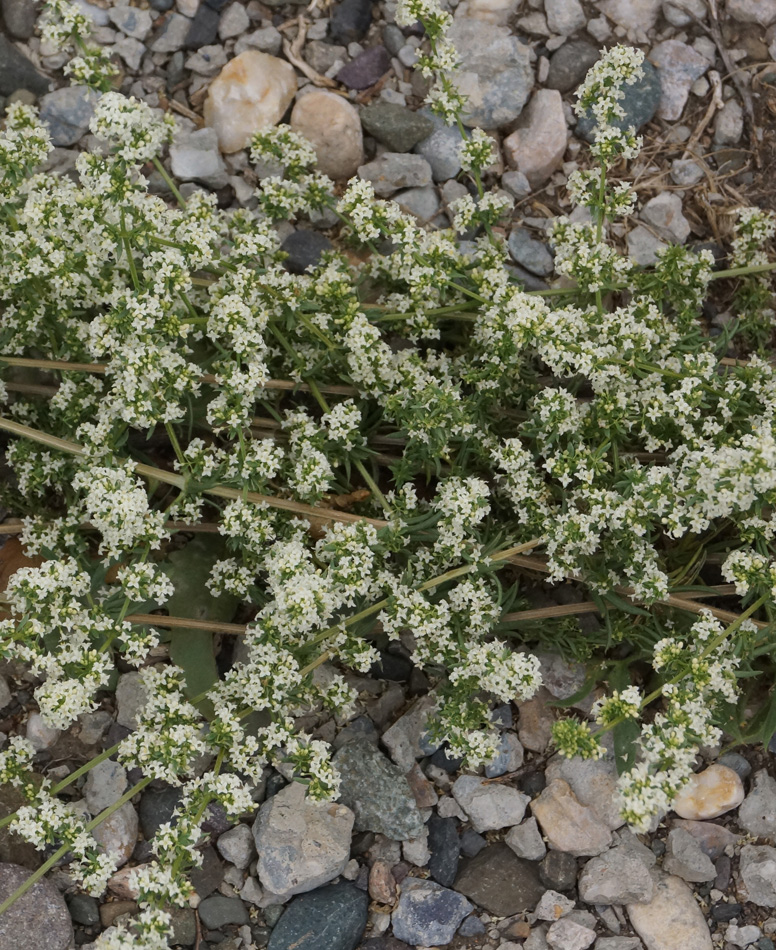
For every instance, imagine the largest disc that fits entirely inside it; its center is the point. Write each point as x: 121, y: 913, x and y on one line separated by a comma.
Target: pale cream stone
x: 250, y: 93
x: 333, y: 127
x: 709, y: 794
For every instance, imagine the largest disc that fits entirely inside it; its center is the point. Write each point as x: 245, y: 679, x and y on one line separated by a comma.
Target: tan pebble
x: 709, y: 794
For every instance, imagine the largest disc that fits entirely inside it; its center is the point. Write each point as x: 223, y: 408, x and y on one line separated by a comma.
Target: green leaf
x: 192, y: 650
x: 625, y: 605
x: 626, y: 733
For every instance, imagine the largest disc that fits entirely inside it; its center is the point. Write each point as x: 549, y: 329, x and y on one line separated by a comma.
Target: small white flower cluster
x: 136, y: 132
x: 64, y: 26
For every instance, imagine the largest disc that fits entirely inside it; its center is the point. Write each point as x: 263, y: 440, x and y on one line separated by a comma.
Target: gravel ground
x: 531, y: 853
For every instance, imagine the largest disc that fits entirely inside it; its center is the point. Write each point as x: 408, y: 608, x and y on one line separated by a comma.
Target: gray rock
x: 686, y: 172
x: 19, y: 17
x: 304, y: 249
x: 195, y: 157
x: 428, y: 914
x: 397, y: 127
x: 445, y: 847
x: 84, y: 909
x: 422, y: 203
x: 333, y: 917
x: 351, y: 20
x: 685, y: 859
x: 682, y: 12
x: 237, y: 846
x: 267, y: 39
x: 664, y: 212
x: 67, y: 113
x: 713, y: 839
x: 742, y: 936
x: 41, y: 735
x: 509, y: 757
x: 552, y: 906
x: 558, y: 870
x: 415, y: 850
x: 441, y: 148
x: 38, y: 920
x: 757, y: 813
x: 393, y: 38
x: 495, y: 72
x: 366, y: 69
x: 105, y: 784
x: 640, y: 103
x: 218, y: 911
x: 566, y: 934
x: 618, y: 876
x: 672, y: 918
x: 156, y: 808
x: 489, y: 807
x: 301, y: 844
x: 184, y: 926
x: 761, y: 12
x: 131, y: 21
x: 758, y: 874
x: 5, y: 693
x: 17, y: 72
x: 117, y: 834
x: 564, y: 16
x: 407, y: 739
x: 729, y: 124
x: 322, y: 56
x: 377, y: 792
x: 531, y: 254
x: 593, y: 781
x: 643, y: 246
x: 569, y: 65
x: 516, y: 184
x: 526, y: 841
x: 395, y: 170
x: 172, y: 34
x: 204, y: 27
x: 130, y: 699
x: 207, y: 61
x: 131, y: 51
x: 679, y: 66
x: 618, y: 943
x: 234, y: 21
x: 568, y: 824
x: 500, y: 882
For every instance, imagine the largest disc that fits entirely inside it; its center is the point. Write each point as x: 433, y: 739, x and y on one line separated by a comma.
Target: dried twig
x: 293, y: 53
x: 716, y: 103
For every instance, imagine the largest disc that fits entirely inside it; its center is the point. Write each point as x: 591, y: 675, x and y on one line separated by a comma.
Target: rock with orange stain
x: 250, y: 93
x: 709, y: 794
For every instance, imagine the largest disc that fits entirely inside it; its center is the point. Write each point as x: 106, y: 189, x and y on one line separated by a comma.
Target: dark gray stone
x: 204, y: 28
x: 365, y: 69
x: 472, y: 843
x: 218, y: 911
x: 427, y: 914
x: 84, y: 909
x: 534, y: 255
x: 67, y: 113
x: 304, y: 249
x: 19, y: 17
x: 395, y: 126
x: 206, y: 878
x: 724, y: 911
x: 162, y: 6
x: 471, y: 927
x: 377, y: 791
x: 384, y: 943
x: 17, y: 72
x: 441, y: 760
x: 640, y: 103
x: 500, y: 882
x: 184, y: 926
x: 38, y: 920
x: 569, y: 65
x: 156, y: 808
x: 333, y: 917
x: 445, y: 847
x: 558, y: 870
x: 393, y: 38
x: 351, y: 20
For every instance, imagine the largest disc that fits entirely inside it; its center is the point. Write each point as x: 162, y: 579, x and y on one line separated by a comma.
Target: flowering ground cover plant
x: 378, y: 450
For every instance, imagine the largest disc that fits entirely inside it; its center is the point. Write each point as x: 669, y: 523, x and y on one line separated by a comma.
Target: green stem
x: 128, y: 252
x: 175, y: 444
x: 169, y: 182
